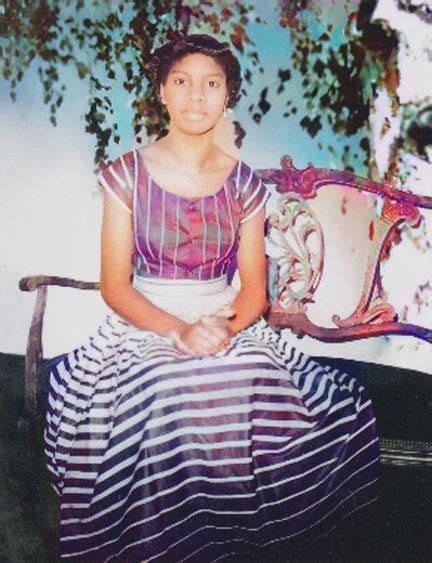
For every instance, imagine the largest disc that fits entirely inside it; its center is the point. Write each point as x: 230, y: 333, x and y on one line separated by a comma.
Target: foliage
x: 109, y: 44
x: 416, y: 133
x: 342, y: 58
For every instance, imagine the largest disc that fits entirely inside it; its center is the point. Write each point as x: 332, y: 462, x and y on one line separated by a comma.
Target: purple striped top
x: 180, y: 237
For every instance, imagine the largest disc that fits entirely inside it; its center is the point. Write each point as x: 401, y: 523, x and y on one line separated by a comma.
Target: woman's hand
x: 208, y: 336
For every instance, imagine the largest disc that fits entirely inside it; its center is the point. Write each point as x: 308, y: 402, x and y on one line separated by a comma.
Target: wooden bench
x: 295, y: 270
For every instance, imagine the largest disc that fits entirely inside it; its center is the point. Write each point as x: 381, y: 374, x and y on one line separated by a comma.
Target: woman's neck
x: 192, y: 152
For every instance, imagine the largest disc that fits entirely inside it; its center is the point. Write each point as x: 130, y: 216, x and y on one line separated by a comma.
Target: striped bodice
x: 179, y: 237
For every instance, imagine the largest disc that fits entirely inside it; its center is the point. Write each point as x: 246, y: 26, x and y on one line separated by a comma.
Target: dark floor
x: 398, y: 527
x: 28, y: 508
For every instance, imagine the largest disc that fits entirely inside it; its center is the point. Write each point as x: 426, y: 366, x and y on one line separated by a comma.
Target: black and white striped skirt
x: 161, y: 456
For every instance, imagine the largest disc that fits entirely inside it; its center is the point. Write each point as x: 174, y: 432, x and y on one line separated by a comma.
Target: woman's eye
x: 179, y: 81
x: 213, y: 83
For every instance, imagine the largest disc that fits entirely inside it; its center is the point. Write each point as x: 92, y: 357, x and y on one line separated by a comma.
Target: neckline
x: 216, y: 192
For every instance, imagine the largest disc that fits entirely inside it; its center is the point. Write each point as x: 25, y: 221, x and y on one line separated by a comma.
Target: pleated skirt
x: 161, y: 456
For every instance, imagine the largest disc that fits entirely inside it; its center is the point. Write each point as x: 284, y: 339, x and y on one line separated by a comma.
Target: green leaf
x: 312, y: 126
x: 284, y: 75
x: 319, y: 68
x: 365, y: 144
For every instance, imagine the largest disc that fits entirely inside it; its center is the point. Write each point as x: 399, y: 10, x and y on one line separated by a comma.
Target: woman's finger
x: 221, y: 332
x: 209, y: 319
x: 208, y: 336
x: 218, y: 328
x: 226, y: 312
x: 211, y: 351
x: 180, y: 344
x: 211, y: 335
x: 215, y: 320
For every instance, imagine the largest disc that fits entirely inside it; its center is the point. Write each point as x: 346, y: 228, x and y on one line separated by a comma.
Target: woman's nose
x: 196, y: 93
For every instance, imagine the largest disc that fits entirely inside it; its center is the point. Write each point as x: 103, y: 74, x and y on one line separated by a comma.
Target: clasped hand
x: 207, y: 336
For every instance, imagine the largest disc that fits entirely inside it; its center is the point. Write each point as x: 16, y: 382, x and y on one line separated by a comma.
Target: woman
x: 186, y: 428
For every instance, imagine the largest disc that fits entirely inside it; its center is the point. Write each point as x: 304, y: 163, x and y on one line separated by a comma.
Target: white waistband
x: 180, y: 287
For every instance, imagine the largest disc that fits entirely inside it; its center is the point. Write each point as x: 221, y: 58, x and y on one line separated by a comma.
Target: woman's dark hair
x: 164, y: 58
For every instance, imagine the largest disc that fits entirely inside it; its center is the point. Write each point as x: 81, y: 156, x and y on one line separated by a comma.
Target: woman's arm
x: 116, y: 274
x: 251, y: 301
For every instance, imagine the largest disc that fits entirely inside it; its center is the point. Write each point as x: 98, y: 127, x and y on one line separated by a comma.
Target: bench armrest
x: 34, y: 352
x: 301, y: 325
x: 30, y: 283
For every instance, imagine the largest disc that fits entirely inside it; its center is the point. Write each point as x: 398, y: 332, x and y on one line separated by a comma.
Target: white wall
x: 49, y: 218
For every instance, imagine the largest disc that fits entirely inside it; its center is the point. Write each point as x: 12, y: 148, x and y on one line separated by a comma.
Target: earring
x: 224, y: 113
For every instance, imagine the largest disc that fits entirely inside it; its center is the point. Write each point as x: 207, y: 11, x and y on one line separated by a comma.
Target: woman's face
x: 195, y: 93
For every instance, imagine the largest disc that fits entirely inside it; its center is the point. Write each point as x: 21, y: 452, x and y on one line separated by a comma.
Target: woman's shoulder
x: 246, y: 175
x: 251, y: 191
x: 121, y: 169
x: 128, y: 158
x: 245, y: 168
x: 117, y: 178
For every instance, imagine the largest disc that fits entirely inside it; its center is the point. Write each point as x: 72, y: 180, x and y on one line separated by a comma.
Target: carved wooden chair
x: 294, y: 275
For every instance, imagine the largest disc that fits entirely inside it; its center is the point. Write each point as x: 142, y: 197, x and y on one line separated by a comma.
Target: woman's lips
x: 195, y: 115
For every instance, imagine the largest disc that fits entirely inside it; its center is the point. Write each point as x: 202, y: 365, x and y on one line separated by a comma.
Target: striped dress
x: 161, y: 456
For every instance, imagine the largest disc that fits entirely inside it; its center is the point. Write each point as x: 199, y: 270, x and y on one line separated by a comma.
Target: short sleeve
x: 116, y: 179
x: 254, y: 196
